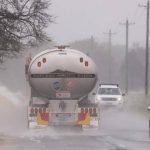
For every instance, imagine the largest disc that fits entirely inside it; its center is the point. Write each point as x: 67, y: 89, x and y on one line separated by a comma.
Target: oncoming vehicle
x: 109, y: 94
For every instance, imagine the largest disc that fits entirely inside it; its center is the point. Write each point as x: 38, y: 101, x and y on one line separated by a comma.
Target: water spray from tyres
x: 12, y: 111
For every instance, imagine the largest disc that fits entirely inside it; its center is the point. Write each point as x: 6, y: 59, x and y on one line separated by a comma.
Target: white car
x: 109, y: 94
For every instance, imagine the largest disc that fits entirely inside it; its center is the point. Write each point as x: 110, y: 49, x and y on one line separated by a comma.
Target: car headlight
x: 119, y: 99
x: 98, y: 98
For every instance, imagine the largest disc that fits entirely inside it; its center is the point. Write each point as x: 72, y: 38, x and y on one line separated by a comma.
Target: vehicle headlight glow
x: 119, y: 99
x: 98, y: 98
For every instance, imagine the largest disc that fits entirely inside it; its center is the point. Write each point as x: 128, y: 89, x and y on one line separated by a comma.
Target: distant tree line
x: 22, y: 21
x: 99, y: 53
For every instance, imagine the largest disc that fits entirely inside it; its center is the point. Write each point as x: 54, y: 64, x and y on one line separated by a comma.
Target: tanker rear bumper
x: 85, y: 116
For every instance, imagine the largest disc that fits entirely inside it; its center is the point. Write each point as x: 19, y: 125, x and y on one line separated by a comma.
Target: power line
x: 134, y: 15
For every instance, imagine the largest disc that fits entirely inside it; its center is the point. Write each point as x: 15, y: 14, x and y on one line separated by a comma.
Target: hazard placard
x: 63, y: 95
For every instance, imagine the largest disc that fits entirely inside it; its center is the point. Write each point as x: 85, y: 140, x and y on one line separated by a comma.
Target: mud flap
x: 38, y: 117
x: 88, y: 117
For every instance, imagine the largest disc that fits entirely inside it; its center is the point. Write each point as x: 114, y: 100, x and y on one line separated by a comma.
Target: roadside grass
x: 137, y: 102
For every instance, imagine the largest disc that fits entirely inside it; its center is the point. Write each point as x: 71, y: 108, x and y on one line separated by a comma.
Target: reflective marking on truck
x: 84, y: 119
x: 38, y: 109
x: 88, y: 116
x: 63, y: 75
x: 40, y: 115
x: 88, y: 110
x: 42, y: 118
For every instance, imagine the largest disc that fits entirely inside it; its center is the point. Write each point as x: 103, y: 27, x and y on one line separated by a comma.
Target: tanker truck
x: 60, y: 80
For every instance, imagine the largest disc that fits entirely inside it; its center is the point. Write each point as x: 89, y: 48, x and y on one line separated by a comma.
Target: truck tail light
x: 86, y: 110
x: 82, y: 110
x: 36, y: 110
x: 32, y: 110
x: 94, y: 110
x: 90, y: 110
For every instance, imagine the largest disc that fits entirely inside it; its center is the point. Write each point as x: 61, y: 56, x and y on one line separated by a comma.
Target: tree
x: 22, y: 21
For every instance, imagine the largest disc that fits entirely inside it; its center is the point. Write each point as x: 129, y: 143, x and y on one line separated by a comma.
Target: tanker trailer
x: 60, y: 80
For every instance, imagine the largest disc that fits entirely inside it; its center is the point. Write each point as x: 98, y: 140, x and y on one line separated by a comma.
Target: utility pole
x: 127, y: 24
x: 92, y: 43
x: 110, y: 55
x: 147, y: 47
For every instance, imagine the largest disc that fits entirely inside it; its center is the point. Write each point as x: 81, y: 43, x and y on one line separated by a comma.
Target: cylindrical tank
x: 62, y: 74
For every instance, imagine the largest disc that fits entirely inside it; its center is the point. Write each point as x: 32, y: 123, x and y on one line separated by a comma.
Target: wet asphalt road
x: 119, y: 130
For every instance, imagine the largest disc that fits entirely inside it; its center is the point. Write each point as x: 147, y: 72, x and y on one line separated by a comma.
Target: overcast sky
x: 79, y: 19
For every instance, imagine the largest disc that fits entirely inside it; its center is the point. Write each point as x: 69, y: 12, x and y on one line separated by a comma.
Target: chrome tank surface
x: 62, y: 74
